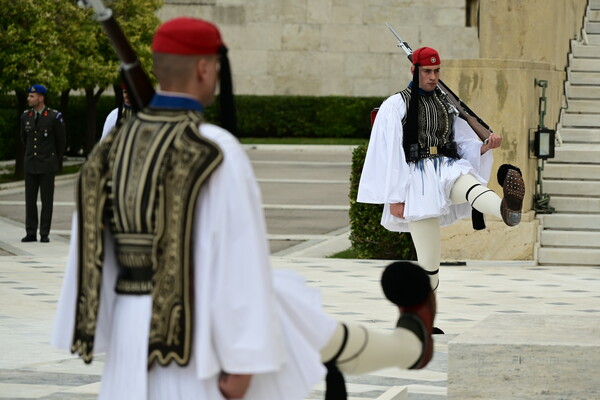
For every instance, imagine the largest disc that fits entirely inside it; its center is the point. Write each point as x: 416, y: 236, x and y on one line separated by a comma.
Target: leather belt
x: 429, y: 152
x: 417, y: 152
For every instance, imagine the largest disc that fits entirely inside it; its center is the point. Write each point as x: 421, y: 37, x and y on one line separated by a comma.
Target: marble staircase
x: 571, y: 235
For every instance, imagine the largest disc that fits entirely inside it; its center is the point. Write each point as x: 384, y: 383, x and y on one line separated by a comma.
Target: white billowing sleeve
x: 469, y: 148
x: 109, y: 122
x: 236, y: 328
x: 64, y: 322
x: 385, y: 172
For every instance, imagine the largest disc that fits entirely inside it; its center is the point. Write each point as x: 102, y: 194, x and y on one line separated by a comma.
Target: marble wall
x: 330, y: 47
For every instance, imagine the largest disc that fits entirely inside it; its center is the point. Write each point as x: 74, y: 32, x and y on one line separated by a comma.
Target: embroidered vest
x: 436, y: 115
x: 144, y: 180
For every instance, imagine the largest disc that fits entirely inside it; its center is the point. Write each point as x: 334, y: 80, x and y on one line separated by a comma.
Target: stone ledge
x: 497, y: 242
x: 526, y: 356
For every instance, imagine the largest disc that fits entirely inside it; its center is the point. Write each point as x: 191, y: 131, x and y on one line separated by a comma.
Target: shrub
x: 10, y: 133
x: 369, y: 239
x: 258, y: 117
x: 302, y: 116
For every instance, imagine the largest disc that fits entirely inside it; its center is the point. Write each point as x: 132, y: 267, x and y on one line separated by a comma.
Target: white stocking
x: 368, y: 350
x: 426, y: 237
x: 480, y: 197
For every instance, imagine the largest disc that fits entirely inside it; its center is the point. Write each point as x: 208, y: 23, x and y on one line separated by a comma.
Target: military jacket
x: 44, y: 140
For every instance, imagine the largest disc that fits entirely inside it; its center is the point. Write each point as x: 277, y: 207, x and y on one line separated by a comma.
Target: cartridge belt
x: 134, y: 256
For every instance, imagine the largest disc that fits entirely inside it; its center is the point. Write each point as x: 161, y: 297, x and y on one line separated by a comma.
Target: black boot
x: 29, y: 238
x: 514, y: 192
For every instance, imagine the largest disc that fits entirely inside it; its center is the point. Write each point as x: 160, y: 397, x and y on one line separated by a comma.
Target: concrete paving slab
x: 31, y: 275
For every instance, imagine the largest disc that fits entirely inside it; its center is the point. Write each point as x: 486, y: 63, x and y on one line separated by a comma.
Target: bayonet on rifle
x: 482, y: 129
x: 401, y: 43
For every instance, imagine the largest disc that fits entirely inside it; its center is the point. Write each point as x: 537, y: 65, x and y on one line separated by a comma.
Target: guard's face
x: 429, y: 76
x: 34, y: 100
x: 126, y: 98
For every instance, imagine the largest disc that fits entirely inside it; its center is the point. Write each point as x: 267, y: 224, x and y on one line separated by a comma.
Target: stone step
x: 572, y: 187
x: 581, y: 135
x: 570, y: 204
x: 584, y: 78
x: 584, y: 65
x: 583, y: 106
x: 576, y: 92
x: 578, y: 153
x: 592, y: 27
x: 556, y: 171
x: 593, y: 39
x: 575, y: 239
x: 594, y: 5
x: 568, y: 256
x: 593, y: 15
x: 580, y: 120
x: 585, y: 50
x: 572, y: 222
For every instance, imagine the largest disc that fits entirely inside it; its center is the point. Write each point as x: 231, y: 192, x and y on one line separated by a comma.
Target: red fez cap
x: 425, y: 56
x: 187, y: 36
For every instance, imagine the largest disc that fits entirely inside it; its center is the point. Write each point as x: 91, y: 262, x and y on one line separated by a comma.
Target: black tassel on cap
x: 228, y: 117
x: 411, y: 135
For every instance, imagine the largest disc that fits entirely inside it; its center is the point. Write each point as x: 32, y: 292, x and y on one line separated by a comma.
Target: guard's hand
x: 397, y: 210
x: 234, y: 386
x: 493, y: 141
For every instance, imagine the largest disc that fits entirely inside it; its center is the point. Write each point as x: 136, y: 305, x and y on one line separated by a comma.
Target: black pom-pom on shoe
x: 405, y: 284
x: 503, y: 170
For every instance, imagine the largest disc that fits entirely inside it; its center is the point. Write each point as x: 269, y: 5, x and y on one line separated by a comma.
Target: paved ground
x: 305, y: 200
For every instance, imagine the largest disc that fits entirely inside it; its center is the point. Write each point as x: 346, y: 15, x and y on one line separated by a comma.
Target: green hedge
x: 75, y: 120
x: 304, y: 116
x: 8, y: 133
x: 258, y: 117
x: 369, y: 239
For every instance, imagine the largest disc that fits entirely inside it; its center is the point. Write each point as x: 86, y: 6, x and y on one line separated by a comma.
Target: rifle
x: 139, y: 86
x: 482, y: 129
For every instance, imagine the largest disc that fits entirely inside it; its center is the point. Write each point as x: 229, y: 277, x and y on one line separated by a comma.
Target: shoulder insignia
x: 55, y: 113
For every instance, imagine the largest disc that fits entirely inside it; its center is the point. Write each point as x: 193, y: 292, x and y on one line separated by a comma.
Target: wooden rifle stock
x: 482, y: 130
x: 138, y: 83
x: 139, y: 86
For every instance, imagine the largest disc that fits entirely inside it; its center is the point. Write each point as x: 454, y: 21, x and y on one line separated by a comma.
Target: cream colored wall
x: 520, y: 41
x: 329, y: 47
x: 531, y: 30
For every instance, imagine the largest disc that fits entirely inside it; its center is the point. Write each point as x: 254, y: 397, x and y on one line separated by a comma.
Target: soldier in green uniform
x: 43, y: 134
